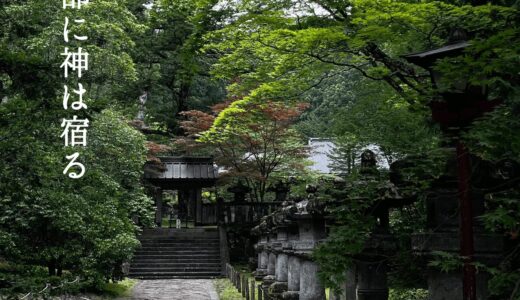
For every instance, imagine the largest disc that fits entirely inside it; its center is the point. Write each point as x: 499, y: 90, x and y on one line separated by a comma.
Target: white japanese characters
x: 75, y: 132
x: 76, y: 105
x: 74, y: 163
x: 74, y: 3
x: 66, y: 30
x: 75, y: 61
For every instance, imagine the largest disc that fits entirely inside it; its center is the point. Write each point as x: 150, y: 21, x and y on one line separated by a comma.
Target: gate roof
x: 178, y: 172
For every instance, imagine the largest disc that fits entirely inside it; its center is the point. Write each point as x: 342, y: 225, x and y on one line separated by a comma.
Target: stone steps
x: 180, y: 240
x: 177, y: 265
x: 182, y: 257
x: 178, y: 247
x: 159, y: 268
x: 177, y: 243
x: 169, y: 260
x: 175, y: 275
x: 177, y: 253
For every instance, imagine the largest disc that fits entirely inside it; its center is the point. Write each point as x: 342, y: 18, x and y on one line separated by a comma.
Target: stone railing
x: 244, y: 284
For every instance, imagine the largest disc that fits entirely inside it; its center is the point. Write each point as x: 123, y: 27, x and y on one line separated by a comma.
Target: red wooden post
x: 467, y: 250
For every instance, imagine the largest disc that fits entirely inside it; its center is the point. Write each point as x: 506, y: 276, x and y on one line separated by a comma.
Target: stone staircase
x: 177, y: 253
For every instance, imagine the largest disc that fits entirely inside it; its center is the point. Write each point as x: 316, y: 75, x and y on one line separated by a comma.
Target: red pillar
x: 467, y: 250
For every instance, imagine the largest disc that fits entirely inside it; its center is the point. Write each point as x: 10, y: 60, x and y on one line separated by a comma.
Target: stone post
x: 271, y: 267
x: 442, y: 285
x: 310, y: 286
x: 372, y: 284
x: 281, y: 268
x: 311, y: 231
x: 293, y: 278
x: 293, y: 264
x: 350, y: 285
x: 263, y: 258
x: 280, y: 285
x: 443, y: 223
x: 347, y: 288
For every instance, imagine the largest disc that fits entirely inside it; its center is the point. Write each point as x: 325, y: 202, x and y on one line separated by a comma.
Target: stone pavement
x: 174, y: 289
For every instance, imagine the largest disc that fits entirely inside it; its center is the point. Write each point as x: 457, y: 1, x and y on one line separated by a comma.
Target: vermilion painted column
x: 467, y: 250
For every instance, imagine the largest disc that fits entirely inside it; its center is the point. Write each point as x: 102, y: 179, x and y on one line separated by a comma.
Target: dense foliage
x: 84, y: 228
x: 345, y: 58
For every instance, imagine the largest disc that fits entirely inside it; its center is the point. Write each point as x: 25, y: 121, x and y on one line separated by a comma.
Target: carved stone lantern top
x: 240, y: 190
x: 281, y: 190
x: 368, y: 163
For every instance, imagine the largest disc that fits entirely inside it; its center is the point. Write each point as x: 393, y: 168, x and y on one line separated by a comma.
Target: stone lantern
x: 240, y: 191
x: 281, y: 191
x: 459, y: 105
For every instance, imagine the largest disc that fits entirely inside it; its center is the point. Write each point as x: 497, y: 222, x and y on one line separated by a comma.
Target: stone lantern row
x: 287, y: 237
x: 286, y: 241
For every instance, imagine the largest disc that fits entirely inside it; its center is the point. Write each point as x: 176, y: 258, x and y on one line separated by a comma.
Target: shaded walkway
x: 174, y: 289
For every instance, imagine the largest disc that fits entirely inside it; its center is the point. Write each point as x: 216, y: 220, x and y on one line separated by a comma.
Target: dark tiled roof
x: 182, y: 168
x: 426, y: 57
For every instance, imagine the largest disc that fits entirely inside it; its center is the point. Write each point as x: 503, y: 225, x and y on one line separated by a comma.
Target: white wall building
x: 320, y: 150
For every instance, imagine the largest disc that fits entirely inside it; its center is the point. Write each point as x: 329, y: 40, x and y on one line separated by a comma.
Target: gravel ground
x: 174, y: 289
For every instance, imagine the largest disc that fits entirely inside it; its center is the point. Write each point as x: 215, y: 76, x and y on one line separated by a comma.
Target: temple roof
x: 178, y: 170
x: 425, y: 59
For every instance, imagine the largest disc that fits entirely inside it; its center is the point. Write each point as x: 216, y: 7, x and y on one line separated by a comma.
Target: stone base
x: 447, y: 286
x: 292, y: 295
x: 266, y: 283
x: 372, y: 294
x: 310, y: 286
x: 259, y: 274
x: 268, y: 280
x: 372, y: 280
x: 277, y: 289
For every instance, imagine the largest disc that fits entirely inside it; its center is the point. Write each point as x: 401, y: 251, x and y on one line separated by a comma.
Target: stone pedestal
x: 268, y: 280
x: 271, y: 265
x: 347, y: 288
x: 448, y: 286
x: 280, y: 285
x: 263, y: 260
x: 443, y: 211
x: 281, y: 267
x: 293, y: 278
x: 310, y: 286
x: 371, y: 281
x: 311, y: 231
x: 444, y: 286
x: 350, y: 285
